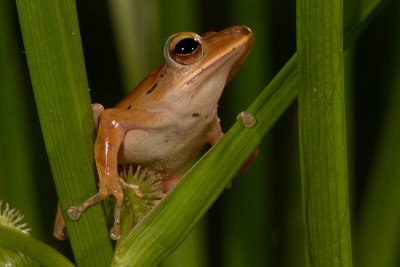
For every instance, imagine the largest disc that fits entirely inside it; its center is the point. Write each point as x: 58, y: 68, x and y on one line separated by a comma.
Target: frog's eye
x: 184, y: 49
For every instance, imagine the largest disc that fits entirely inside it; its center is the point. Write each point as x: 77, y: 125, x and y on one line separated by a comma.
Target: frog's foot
x: 114, y: 186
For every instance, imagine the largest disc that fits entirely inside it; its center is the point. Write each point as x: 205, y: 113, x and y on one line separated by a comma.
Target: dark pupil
x: 186, y: 46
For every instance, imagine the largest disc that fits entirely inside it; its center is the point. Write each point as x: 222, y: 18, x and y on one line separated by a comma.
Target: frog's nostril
x: 246, y: 30
x: 241, y: 30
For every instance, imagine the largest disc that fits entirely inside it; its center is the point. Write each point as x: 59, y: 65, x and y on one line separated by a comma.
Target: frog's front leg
x: 113, y: 125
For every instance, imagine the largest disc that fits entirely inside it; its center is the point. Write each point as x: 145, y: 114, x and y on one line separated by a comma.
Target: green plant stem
x: 36, y: 250
x: 322, y: 133
x: 53, y: 49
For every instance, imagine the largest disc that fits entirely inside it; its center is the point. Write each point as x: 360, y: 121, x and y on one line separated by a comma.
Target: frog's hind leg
x: 114, y: 187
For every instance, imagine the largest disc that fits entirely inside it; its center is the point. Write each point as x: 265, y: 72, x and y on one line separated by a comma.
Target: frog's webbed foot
x: 114, y: 186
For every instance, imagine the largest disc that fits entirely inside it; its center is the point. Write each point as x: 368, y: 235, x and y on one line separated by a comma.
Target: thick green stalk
x: 56, y: 65
x: 322, y: 132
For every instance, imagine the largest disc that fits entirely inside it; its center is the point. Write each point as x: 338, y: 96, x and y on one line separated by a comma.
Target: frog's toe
x: 115, y: 232
x: 75, y: 212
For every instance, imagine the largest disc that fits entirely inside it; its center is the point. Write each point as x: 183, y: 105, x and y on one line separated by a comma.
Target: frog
x: 163, y: 123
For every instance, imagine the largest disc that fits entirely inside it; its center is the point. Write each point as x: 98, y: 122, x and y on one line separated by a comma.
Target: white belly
x: 166, y: 150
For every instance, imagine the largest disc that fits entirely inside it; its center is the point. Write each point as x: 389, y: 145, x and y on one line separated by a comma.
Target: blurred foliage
x: 259, y: 220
